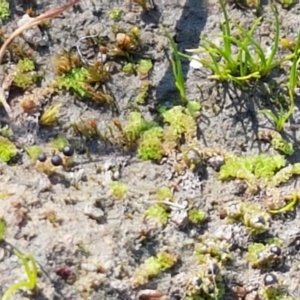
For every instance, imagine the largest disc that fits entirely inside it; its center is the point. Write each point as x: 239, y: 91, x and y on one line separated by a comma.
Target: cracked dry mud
x: 99, y: 240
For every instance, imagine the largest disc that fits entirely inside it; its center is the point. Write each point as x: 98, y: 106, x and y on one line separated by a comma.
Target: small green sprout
x: 196, y: 216
x: 59, y: 142
x: 214, y: 247
x: 116, y: 14
x: 26, y: 65
x: 33, y: 152
x: 177, y: 69
x: 277, y: 141
x: 286, y: 3
x: 150, y: 146
x: 164, y: 194
x: 153, y: 266
x: 26, y: 74
x: 128, y: 68
x: 250, y: 215
x: 134, y: 128
x: 74, y: 81
x: 181, y: 123
x: 288, y: 207
x: 252, y: 167
x: 30, y: 266
x: 6, y: 131
x: 285, y: 174
x: 50, y: 115
x: 143, y: 67
x: 7, y: 149
x: 158, y: 212
x: 118, y: 190
x: 264, y: 256
x: 2, y: 229
x: 141, y: 3
x: 206, y: 282
x: 272, y: 288
x: 143, y: 92
x: 4, y: 10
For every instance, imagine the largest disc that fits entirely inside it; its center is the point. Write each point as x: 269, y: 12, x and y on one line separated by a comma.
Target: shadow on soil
x: 187, y: 36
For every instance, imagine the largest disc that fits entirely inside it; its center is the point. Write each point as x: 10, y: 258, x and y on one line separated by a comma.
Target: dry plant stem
x: 36, y: 21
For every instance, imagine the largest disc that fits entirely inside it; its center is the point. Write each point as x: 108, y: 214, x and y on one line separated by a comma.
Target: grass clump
x: 152, y: 267
x: 7, y: 150
x: 250, y: 61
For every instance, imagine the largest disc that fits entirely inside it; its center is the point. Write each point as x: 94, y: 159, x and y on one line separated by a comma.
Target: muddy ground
x: 98, y: 241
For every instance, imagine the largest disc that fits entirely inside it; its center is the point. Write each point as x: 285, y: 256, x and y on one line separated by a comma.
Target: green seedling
x: 264, y: 256
x: 277, y: 141
x: 116, y: 14
x: 196, y: 216
x: 26, y: 74
x: 252, y: 168
x: 288, y: 207
x: 59, y: 142
x: 153, y: 266
x: 50, y: 115
x: 33, y: 152
x: 206, y: 282
x: 181, y: 124
x: 6, y: 131
x: 7, y: 150
x: 143, y: 68
x: 143, y: 92
x: 177, y: 69
x: 2, y: 229
x: 129, y: 68
x: 141, y: 3
x: 73, y: 81
x: 286, y: 3
x: 214, y: 247
x: 31, y: 270
x: 285, y: 174
x: 250, y: 215
x: 272, y: 288
x: 118, y: 190
x: 150, y: 146
x: 135, y: 127
x: 164, y: 194
x: 4, y: 10
x: 158, y: 212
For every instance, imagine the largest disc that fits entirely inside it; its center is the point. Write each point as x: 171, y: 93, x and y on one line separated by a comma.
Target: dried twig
x: 36, y: 21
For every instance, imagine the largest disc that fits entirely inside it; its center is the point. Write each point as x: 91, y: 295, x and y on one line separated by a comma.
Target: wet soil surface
x: 87, y: 243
